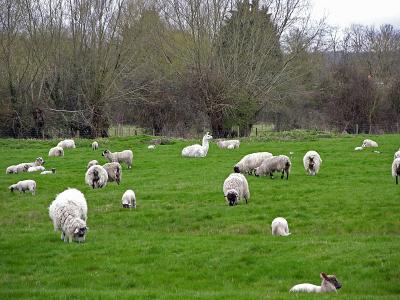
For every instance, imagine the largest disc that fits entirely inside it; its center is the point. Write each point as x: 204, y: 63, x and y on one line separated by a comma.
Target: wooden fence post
x: 356, y: 128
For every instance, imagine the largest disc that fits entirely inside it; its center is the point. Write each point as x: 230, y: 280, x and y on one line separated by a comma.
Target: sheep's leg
x: 283, y: 174
x: 271, y: 175
x: 287, y: 175
x: 397, y: 179
x: 70, y: 239
x: 62, y: 235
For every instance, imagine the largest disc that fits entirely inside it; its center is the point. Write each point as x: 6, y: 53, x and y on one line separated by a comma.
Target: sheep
x: 69, y: 215
x: 367, y: 143
x: 198, y: 150
x: 358, y: 148
x: 95, y: 145
x: 125, y: 156
x: 129, y: 199
x: 251, y: 161
x: 96, y: 176
x: 230, y: 147
x: 23, y: 167
x: 53, y: 171
x: 280, y: 163
x: 228, y: 144
x: 236, y: 188
x: 312, y: 162
x: 23, y: 186
x: 151, y: 147
x: 56, y: 151
x: 92, y: 163
x: 279, y: 226
x: 66, y: 144
x: 12, y: 170
x: 397, y: 154
x: 114, y: 171
x: 36, y: 168
x: 329, y: 284
x: 396, y: 169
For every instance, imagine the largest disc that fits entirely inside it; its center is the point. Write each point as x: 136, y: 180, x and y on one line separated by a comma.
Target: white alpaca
x: 198, y: 150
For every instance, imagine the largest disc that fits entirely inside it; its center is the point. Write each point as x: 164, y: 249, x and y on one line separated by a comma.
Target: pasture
x: 184, y: 242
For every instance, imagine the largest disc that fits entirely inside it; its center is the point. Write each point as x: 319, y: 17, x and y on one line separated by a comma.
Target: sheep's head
x: 53, y: 170
x: 39, y: 161
x: 232, y: 197
x: 236, y: 169
x: 80, y: 232
x: 126, y: 203
x: 331, y: 279
x: 256, y: 172
x: 311, y: 163
x: 95, y: 178
x: 105, y: 152
x: 11, y: 188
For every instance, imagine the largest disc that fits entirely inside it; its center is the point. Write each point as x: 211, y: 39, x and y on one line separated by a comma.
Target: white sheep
x: 312, y: 162
x: 250, y: 162
x: 56, y: 151
x: 279, y: 226
x: 329, y: 284
x: 92, y: 163
x: 69, y: 214
x: 23, y: 167
x: 125, y: 156
x: 198, y: 150
x: 367, y: 143
x: 396, y: 169
x: 66, y: 144
x: 228, y: 144
x: 358, y: 148
x: 151, y: 147
x: 23, y: 186
x: 114, y: 171
x: 397, y: 154
x: 53, y: 171
x: 96, y: 176
x: 12, y: 169
x: 280, y: 163
x: 95, y: 145
x: 129, y: 199
x: 236, y: 188
x: 36, y: 169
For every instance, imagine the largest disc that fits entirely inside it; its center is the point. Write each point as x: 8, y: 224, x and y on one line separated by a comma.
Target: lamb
x: 95, y: 145
x: 250, y: 162
x: 96, y: 176
x: 69, y: 214
x: 36, y: 168
x: 280, y: 227
x: 56, y: 151
x: 396, y: 169
x: 329, y: 284
x: 312, y: 162
x: 125, y: 156
x: 358, y: 148
x: 198, y: 150
x: 367, y: 143
x: 228, y: 144
x: 397, y: 154
x: 66, y: 144
x: 53, y: 171
x: 280, y: 163
x: 151, y: 147
x: 38, y: 162
x: 22, y: 167
x: 92, y: 163
x: 13, y: 169
x: 114, y: 171
x: 129, y: 199
x: 236, y: 188
x: 23, y: 186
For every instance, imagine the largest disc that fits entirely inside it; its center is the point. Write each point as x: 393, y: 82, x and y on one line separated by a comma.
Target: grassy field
x: 184, y: 242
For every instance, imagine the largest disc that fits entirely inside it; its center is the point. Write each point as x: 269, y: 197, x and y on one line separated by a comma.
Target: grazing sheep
x: 198, y: 150
x: 250, y: 162
x: 129, y: 199
x: 96, y: 176
x: 53, y: 171
x: 92, y: 163
x: 312, y: 162
x: 367, y: 143
x: 114, y: 171
x: 95, y: 145
x: 151, y: 147
x: 56, y: 151
x: 280, y: 163
x: 236, y: 188
x: 329, y: 284
x: 23, y: 186
x: 396, y: 169
x: 66, y: 144
x: 36, y: 168
x: 125, y: 156
x: 69, y: 214
x: 279, y: 226
x: 397, y: 154
x: 358, y: 148
x: 228, y: 144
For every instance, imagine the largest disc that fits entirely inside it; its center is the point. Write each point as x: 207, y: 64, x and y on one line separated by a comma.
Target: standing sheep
x: 56, y: 151
x: 228, y: 144
x: 66, y: 144
x: 23, y: 186
x: 96, y: 176
x: 250, y: 162
x: 95, y: 145
x: 114, y: 171
x: 129, y: 199
x: 280, y: 163
x: 92, y: 163
x: 125, y: 156
x: 69, y: 214
x: 396, y: 169
x: 198, y: 150
x: 236, y: 188
x: 367, y: 143
x: 279, y: 226
x: 312, y: 162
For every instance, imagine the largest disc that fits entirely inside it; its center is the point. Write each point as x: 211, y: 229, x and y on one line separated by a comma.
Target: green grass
x: 184, y: 242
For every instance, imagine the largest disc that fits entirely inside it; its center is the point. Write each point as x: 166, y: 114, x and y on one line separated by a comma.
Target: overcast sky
x: 342, y: 13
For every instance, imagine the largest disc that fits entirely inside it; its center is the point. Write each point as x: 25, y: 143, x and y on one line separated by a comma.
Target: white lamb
x: 53, y: 171
x: 250, y: 162
x: 56, y: 151
x: 66, y: 144
x: 236, y: 188
x: 114, y: 171
x: 312, y: 162
x: 96, y: 176
x: 358, y: 148
x: 23, y: 167
x: 13, y: 169
x: 92, y: 163
x: 23, y: 186
x: 280, y: 227
x: 125, y: 156
x: 129, y: 199
x: 396, y: 169
x: 95, y: 145
x: 36, y: 169
x: 280, y: 163
x: 151, y: 147
x: 397, y: 154
x: 69, y: 214
x: 228, y: 144
x: 198, y: 150
x: 329, y: 284
x: 367, y: 143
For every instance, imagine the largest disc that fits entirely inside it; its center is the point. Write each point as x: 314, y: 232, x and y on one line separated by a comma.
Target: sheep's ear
x: 323, y: 276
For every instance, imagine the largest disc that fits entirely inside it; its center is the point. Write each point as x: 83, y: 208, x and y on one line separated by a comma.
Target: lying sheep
x: 396, y: 169
x: 95, y: 145
x: 397, y: 154
x: 129, y: 199
x: 312, y: 162
x: 69, y: 214
x: 56, y: 151
x: 114, y: 171
x: 96, y: 176
x: 36, y: 168
x: 358, y: 148
x: 66, y: 144
x: 53, y: 171
x: 250, y: 162
x: 280, y: 163
x: 23, y: 186
x: 279, y: 226
x: 236, y: 188
x: 151, y: 147
x: 329, y: 284
x: 25, y: 166
x: 14, y: 169
x: 228, y: 144
x: 367, y: 143
x: 92, y: 163
x: 125, y: 156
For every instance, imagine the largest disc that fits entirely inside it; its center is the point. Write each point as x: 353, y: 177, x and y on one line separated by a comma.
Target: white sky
x: 343, y: 13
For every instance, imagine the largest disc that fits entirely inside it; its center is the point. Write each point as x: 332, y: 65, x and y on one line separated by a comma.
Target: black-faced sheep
x: 280, y: 163
x: 96, y: 177
x: 236, y: 188
x: 23, y: 186
x: 250, y: 162
x: 312, y: 162
x: 128, y: 199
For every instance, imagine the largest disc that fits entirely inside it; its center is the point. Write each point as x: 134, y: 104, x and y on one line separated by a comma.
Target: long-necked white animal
x: 329, y: 284
x: 198, y: 150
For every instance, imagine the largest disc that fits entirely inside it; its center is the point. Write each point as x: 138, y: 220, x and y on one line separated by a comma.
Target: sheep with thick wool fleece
x: 114, y: 171
x: 69, y: 214
x: 236, y: 188
x: 367, y: 143
x: 92, y: 163
x: 128, y: 199
x: 96, y: 177
x: 66, y: 144
x: 125, y: 156
x: 56, y: 151
x: 251, y: 161
x: 280, y: 163
x: 279, y: 226
x: 23, y: 186
x: 36, y: 169
x: 312, y: 162
x: 228, y: 144
x: 198, y: 150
